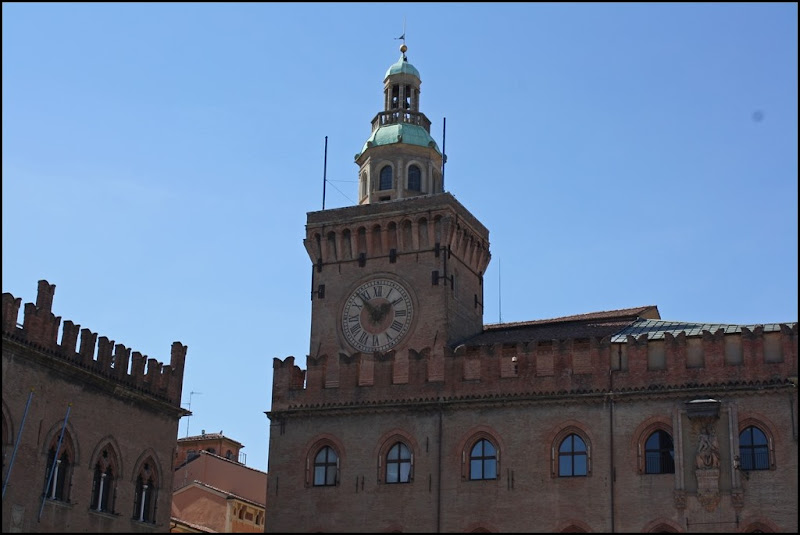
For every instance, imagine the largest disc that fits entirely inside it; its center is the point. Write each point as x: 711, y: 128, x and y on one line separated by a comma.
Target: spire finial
x: 402, y: 37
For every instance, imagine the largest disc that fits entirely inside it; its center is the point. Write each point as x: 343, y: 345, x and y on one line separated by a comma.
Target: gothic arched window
x: 572, y: 457
x: 753, y: 449
x: 398, y: 464
x: 326, y: 464
x: 144, y: 509
x: 659, y: 457
x: 483, y: 460
x: 104, y: 480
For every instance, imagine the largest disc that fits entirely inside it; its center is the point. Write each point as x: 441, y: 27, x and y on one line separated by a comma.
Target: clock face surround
x: 377, y: 315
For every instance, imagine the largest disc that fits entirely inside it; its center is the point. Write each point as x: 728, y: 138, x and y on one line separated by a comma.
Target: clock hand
x: 374, y: 314
x: 384, y: 309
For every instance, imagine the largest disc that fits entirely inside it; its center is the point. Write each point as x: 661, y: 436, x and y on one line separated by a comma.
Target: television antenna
x: 189, y: 407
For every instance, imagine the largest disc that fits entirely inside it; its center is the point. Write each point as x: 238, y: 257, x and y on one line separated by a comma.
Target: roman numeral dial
x: 377, y: 315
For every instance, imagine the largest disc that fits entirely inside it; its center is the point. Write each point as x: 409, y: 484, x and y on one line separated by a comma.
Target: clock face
x: 377, y: 315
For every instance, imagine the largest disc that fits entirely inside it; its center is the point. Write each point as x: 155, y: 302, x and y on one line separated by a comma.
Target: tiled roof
x: 227, y: 493
x: 198, y: 527
x: 209, y: 436
x: 655, y: 329
x: 591, y: 325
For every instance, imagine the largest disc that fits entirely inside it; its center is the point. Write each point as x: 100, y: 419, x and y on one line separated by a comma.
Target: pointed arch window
x: 104, y: 481
x: 60, y: 460
x: 572, y: 457
x: 386, y: 178
x: 57, y: 477
x: 483, y: 460
x: 414, y: 178
x: 326, y: 464
x: 398, y: 464
x: 659, y: 454
x: 753, y: 449
x: 144, y: 509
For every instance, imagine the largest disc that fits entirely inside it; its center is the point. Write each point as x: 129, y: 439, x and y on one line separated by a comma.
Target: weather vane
x: 403, y: 36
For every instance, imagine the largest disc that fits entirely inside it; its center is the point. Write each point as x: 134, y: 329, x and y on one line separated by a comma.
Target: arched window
x: 386, y: 178
x: 483, y: 460
x: 398, y: 464
x: 60, y: 460
x: 414, y: 178
x: 753, y: 449
x: 229, y: 454
x: 326, y: 465
x: 572, y: 457
x: 104, y: 481
x: 57, y: 477
x: 659, y: 456
x: 144, y: 508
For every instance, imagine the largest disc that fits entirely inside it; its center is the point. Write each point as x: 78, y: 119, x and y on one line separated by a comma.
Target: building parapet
x: 102, y: 356
x: 540, y: 367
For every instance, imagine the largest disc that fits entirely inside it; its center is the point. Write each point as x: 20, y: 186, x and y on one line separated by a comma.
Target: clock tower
x: 402, y: 271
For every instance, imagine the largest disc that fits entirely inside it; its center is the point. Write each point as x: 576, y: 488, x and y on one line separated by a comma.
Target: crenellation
x: 137, y: 369
x: 789, y: 344
x: 41, y: 325
x: 417, y: 366
x: 315, y: 374
x: 400, y: 368
x: 88, y: 344
x: 153, y: 373
x: 752, y: 346
x: 69, y: 339
x: 435, y: 364
x: 44, y: 296
x: 120, y: 361
x: 97, y: 355
x: 713, y: 349
x: 104, y: 350
x: 11, y: 306
x: 332, y: 242
x: 366, y: 369
x: 541, y: 366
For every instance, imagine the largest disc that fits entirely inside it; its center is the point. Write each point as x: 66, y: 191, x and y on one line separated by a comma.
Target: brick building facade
x: 109, y: 417
x: 414, y: 416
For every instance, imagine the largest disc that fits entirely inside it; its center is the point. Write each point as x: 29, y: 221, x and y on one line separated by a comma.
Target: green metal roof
x: 400, y: 133
x: 402, y: 67
x: 655, y: 329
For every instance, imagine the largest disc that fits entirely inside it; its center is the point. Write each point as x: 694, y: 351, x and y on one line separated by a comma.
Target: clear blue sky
x: 159, y: 161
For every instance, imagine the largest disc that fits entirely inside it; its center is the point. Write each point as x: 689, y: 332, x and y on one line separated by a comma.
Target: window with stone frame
x: 659, y: 453
x: 104, y: 480
x: 326, y: 467
x: 483, y: 460
x: 754, y: 449
x: 399, y: 464
x: 58, y: 475
x: 573, y: 456
x: 146, y: 493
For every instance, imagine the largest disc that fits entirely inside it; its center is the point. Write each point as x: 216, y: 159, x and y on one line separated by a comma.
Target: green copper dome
x: 400, y: 133
x: 402, y: 67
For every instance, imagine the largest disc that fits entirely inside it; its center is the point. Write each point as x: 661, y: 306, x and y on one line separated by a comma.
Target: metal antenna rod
x: 499, y: 294
x: 189, y: 407
x: 444, y: 154
x: 325, y: 172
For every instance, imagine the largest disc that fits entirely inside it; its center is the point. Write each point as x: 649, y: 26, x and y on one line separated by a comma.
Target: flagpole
x: 16, y: 444
x: 55, y: 462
